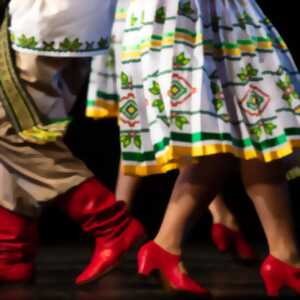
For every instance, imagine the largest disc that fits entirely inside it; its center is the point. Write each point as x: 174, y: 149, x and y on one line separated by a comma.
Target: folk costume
x: 200, y: 78
x: 106, y: 84
x: 43, y: 63
x: 204, y: 77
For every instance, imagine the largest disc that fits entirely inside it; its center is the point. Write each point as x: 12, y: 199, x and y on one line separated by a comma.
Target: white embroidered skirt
x: 203, y: 77
x: 73, y: 28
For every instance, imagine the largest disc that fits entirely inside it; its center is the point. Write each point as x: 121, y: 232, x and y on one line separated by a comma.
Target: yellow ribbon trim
x: 168, y: 159
x: 103, y: 109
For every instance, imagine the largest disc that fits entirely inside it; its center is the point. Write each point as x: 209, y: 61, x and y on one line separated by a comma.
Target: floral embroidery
x: 263, y: 127
x: 133, y: 20
x: 132, y: 137
x: 179, y: 120
x: 289, y: 92
x: 248, y: 73
x: 126, y: 83
x: 185, y: 9
x: 157, y: 102
x: 181, y: 60
x: 245, y: 20
x: 160, y: 16
x: 27, y: 42
x: 66, y: 45
x: 219, y: 97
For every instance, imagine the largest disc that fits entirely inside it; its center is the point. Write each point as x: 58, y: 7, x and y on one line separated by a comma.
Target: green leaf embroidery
x: 159, y: 104
x: 125, y: 140
x: 27, y: 42
x: 186, y: 9
x: 138, y: 141
x: 125, y: 80
x: 248, y: 73
x: 155, y: 89
x: 216, y: 89
x: 103, y: 43
x: 160, y: 16
x: 111, y: 60
x: 218, y: 103
x: 269, y: 127
x: 133, y: 20
x: 182, y: 60
x: 289, y: 92
x: 70, y: 45
x: 251, y: 71
x: 256, y: 131
x: 180, y: 121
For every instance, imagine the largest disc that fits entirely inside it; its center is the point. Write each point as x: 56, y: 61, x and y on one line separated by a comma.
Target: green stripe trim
x: 205, y: 136
x: 106, y: 96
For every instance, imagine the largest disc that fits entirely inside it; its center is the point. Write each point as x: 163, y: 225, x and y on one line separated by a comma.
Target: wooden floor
x: 58, y: 266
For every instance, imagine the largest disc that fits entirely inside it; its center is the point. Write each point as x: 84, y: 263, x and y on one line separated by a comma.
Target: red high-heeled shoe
x: 225, y: 239
x: 151, y: 258
x: 277, y: 275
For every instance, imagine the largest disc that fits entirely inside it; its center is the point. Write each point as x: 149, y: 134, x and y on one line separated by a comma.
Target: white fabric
x: 42, y: 26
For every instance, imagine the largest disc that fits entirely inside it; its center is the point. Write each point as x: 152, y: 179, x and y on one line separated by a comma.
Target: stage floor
x: 58, y: 266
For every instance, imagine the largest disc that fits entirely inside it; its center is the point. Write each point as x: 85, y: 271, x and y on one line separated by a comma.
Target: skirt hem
x: 168, y: 160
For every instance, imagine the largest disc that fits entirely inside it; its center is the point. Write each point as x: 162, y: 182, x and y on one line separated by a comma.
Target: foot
x: 174, y: 278
x: 226, y: 239
x: 109, y: 251
x: 277, y: 275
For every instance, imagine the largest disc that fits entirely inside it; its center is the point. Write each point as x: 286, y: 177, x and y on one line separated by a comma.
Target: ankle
x: 228, y: 220
x: 291, y: 258
x: 169, y: 246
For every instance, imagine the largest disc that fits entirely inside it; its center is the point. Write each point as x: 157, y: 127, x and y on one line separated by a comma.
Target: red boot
x: 152, y: 258
x: 18, y: 245
x: 116, y: 232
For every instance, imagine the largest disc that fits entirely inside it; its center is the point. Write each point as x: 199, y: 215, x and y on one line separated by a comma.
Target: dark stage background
x: 96, y: 143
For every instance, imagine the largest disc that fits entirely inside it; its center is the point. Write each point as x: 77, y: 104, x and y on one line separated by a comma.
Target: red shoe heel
x: 272, y: 287
x: 145, y: 267
x: 151, y: 258
x: 277, y: 275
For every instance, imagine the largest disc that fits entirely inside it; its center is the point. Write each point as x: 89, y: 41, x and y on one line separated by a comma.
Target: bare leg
x: 195, y: 188
x: 127, y: 187
x: 267, y: 187
x: 221, y: 214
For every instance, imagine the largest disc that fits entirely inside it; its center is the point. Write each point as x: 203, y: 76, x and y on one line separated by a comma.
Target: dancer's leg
x: 127, y: 187
x: 195, y: 188
x: 221, y: 214
x: 267, y: 187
